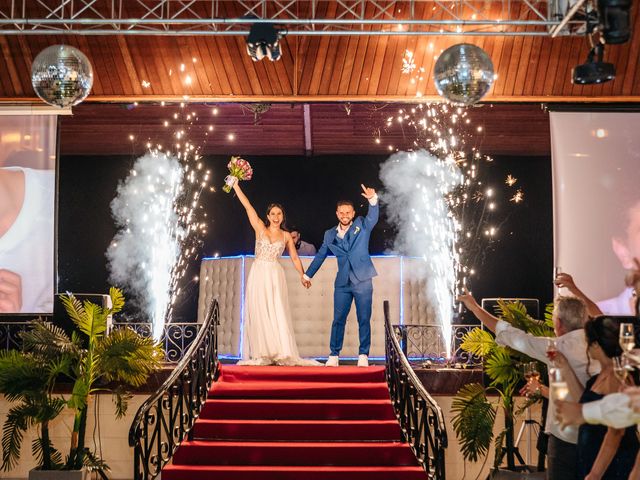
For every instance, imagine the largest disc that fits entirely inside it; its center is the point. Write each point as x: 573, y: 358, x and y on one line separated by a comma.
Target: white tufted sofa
x: 312, y: 310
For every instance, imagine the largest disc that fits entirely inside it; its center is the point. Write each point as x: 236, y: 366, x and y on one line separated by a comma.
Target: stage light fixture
x: 263, y: 41
x: 614, y: 20
x: 594, y: 70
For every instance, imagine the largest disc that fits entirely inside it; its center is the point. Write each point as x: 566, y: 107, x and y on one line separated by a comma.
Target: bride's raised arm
x: 254, y: 219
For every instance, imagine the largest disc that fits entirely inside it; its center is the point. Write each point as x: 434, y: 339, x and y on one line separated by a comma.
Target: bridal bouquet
x: 239, y: 169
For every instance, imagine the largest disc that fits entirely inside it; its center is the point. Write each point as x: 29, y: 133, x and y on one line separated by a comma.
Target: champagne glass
x: 620, y: 369
x: 558, y: 388
x: 556, y: 271
x: 627, y: 337
x: 532, y: 374
x: 552, y: 348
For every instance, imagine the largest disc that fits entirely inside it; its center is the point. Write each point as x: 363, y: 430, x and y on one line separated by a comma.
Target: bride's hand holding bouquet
x: 239, y: 169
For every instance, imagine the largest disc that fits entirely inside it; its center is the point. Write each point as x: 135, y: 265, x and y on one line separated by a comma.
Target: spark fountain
x: 159, y: 218
x: 438, y: 202
x: 416, y: 187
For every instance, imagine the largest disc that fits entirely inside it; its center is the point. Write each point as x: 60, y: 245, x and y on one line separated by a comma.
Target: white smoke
x: 416, y: 187
x: 144, y: 252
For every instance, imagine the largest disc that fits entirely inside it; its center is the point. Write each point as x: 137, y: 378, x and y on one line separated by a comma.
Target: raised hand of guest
x: 564, y: 280
x: 367, y: 192
x: 467, y: 299
x: 559, y: 360
x: 534, y: 387
x: 569, y: 413
x: 10, y: 292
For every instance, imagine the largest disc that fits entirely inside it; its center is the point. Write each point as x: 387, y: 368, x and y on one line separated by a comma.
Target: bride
x: 268, y: 331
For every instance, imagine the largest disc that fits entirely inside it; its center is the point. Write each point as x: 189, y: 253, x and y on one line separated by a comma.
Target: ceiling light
x: 594, y: 70
x: 263, y: 42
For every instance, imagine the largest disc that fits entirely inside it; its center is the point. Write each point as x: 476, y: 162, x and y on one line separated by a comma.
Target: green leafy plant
x: 27, y: 379
x: 122, y: 358
x: 474, y: 412
x: 96, y: 362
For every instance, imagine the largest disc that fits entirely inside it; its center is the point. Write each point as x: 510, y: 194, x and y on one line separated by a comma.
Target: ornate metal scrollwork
x: 165, y: 419
x: 421, y: 419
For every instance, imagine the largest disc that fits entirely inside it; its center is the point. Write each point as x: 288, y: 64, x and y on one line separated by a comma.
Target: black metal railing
x: 165, y: 419
x: 10, y: 335
x: 421, y: 419
x: 176, y: 337
x: 421, y: 343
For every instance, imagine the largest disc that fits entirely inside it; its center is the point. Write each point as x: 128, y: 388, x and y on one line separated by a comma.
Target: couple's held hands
x: 10, y: 291
x: 306, y: 283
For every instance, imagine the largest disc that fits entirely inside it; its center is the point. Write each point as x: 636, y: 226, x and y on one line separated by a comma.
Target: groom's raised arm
x: 372, y: 214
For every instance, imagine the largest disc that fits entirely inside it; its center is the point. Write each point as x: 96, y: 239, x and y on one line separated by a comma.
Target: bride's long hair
x: 283, y: 225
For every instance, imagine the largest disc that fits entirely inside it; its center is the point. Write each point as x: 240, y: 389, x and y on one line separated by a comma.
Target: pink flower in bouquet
x: 239, y: 169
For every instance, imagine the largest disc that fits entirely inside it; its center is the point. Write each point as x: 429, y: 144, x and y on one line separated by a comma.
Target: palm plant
x: 122, y: 358
x: 96, y: 362
x: 474, y: 413
x: 28, y: 378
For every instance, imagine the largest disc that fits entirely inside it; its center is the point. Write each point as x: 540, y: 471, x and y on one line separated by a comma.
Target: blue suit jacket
x: 352, y: 252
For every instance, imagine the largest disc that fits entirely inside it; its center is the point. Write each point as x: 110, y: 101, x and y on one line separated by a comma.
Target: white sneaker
x: 332, y: 361
x: 363, y: 360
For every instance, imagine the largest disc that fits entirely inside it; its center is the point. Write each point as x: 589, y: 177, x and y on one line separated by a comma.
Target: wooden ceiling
x: 284, y: 129
x: 318, y: 68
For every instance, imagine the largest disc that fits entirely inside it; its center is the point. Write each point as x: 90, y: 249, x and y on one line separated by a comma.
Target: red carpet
x: 284, y: 423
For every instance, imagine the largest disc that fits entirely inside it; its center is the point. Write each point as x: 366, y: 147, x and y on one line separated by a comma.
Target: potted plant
x: 27, y: 379
x: 474, y: 412
x: 95, y: 360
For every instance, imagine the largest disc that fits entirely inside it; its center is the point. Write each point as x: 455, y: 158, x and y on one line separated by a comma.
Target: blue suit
x: 353, y: 281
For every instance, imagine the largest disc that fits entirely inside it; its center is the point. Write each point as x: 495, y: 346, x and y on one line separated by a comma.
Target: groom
x: 349, y: 242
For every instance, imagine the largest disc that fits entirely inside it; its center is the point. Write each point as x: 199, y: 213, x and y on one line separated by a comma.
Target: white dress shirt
x: 613, y: 410
x: 572, y: 345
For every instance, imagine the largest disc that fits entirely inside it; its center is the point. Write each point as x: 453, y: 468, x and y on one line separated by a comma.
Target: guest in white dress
x: 268, y: 331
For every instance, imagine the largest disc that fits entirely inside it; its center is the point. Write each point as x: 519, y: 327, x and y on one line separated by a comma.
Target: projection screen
x: 596, y: 196
x: 27, y: 213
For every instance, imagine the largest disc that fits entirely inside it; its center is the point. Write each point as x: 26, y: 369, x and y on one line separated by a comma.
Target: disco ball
x: 61, y: 76
x: 463, y: 74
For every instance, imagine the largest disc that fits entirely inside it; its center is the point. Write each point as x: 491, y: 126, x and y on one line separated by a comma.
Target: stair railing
x: 166, y: 417
x: 421, y: 419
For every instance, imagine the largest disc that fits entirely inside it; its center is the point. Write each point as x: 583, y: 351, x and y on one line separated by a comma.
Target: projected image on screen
x: 27, y: 199
x: 596, y: 169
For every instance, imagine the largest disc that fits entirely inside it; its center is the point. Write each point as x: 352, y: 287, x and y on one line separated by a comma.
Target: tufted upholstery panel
x: 417, y: 308
x: 222, y: 279
x: 311, y: 310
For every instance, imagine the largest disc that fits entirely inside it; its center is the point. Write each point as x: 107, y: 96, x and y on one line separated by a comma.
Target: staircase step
x: 234, y: 373
x: 286, y: 409
x: 198, y: 452
x: 253, y: 389
x: 298, y: 430
x: 313, y: 472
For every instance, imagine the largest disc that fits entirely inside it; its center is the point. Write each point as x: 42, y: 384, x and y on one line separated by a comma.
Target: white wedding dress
x: 268, y: 330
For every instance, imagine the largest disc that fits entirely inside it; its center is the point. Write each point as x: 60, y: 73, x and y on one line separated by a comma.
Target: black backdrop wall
x: 517, y: 264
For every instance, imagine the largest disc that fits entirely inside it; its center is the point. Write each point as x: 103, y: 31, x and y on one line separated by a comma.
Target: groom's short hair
x: 342, y: 203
